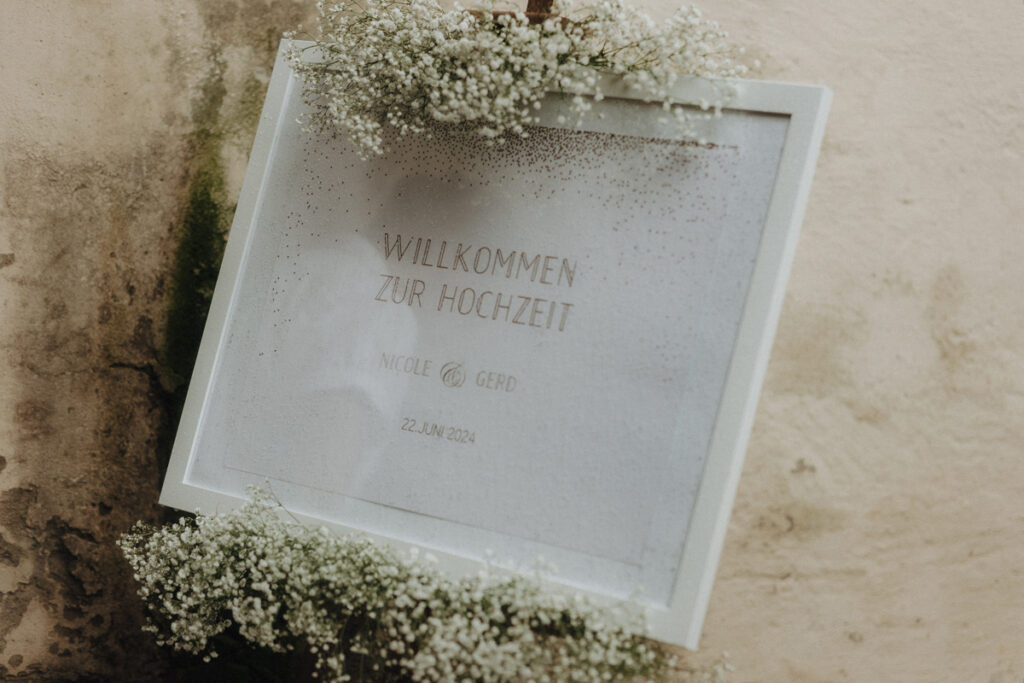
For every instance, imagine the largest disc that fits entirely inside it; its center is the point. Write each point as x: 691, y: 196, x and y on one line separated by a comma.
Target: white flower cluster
x: 405, y: 65
x: 286, y: 586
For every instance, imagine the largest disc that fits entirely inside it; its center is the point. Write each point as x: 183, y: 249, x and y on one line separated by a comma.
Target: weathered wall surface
x: 116, y: 118
x: 879, y: 529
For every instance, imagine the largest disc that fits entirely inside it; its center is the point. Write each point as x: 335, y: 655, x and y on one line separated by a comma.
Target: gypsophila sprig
x: 383, y: 67
x: 285, y: 586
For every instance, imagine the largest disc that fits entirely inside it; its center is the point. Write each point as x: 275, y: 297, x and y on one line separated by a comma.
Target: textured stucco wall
x: 878, y: 533
x: 879, y: 526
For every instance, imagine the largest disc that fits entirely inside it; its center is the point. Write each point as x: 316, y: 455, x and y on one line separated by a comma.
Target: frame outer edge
x: 175, y: 492
x: 809, y: 108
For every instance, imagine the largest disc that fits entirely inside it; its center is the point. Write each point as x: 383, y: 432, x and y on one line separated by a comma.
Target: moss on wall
x: 202, y: 232
x: 115, y: 198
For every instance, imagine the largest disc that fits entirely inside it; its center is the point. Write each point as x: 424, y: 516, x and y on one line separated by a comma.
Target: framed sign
x: 549, y: 348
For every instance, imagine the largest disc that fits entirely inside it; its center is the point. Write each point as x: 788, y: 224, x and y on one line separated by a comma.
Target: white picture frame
x: 202, y: 476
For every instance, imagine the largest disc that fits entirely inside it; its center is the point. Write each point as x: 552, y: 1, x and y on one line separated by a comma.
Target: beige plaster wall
x: 879, y: 527
x: 878, y: 533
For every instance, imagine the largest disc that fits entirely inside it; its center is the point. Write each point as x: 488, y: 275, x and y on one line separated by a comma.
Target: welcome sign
x: 485, y: 260
x: 548, y: 348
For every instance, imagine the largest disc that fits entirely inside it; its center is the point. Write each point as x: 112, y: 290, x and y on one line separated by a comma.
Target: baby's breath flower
x: 401, y: 66
x: 284, y: 585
